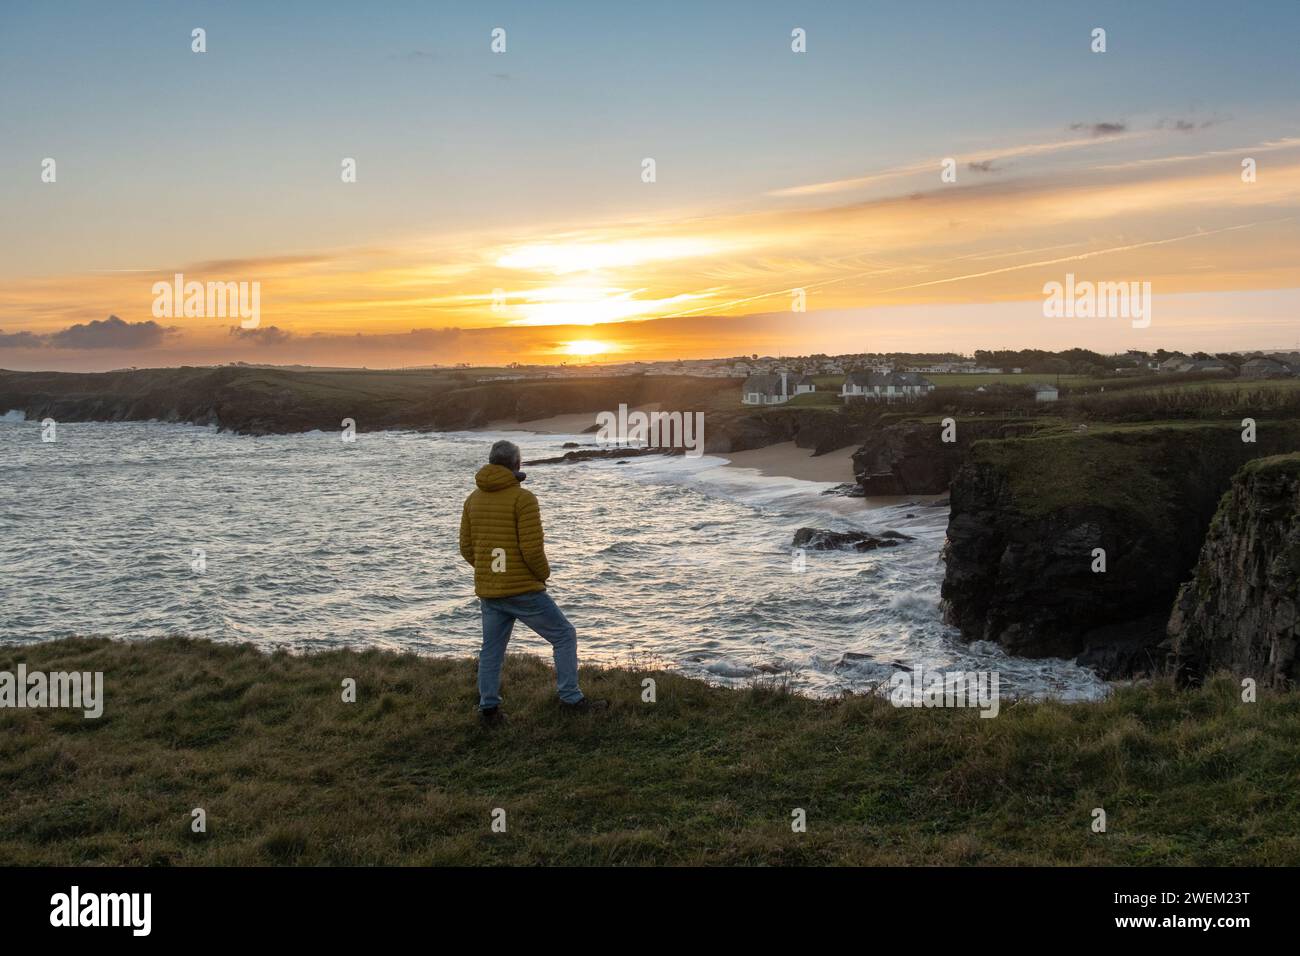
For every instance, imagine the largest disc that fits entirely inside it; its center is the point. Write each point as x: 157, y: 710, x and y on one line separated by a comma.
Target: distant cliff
x: 1028, y: 513
x: 265, y: 401
x: 1239, y: 611
x: 256, y: 401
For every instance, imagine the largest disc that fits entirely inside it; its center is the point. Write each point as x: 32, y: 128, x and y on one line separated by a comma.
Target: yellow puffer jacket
x: 501, y: 535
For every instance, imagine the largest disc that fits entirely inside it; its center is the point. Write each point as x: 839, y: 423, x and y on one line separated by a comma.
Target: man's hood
x: 496, y: 478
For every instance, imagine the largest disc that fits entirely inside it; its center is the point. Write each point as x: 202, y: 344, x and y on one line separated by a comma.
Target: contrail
x: 1087, y: 255
x: 979, y: 275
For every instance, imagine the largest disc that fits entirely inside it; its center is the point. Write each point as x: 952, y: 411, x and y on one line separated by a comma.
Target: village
x: 896, y: 377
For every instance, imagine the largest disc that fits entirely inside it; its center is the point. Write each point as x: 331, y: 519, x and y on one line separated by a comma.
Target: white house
x: 1046, y: 393
x: 885, y: 386
x: 774, y: 389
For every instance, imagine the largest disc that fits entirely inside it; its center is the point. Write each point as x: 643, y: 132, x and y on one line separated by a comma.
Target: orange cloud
x: 1186, y: 222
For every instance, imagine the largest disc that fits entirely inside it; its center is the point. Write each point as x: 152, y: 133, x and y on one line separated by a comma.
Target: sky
x: 501, y: 209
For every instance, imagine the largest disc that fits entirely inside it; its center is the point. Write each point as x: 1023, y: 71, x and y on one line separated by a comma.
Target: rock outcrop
x: 1239, y: 611
x: 820, y: 429
x: 601, y: 454
x: 911, y: 458
x: 1029, y: 515
x: 817, y: 539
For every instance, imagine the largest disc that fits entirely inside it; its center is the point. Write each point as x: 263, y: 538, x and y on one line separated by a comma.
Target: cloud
x: 264, y: 335
x: 1180, y: 125
x: 1100, y: 129
x: 256, y: 264
x: 110, y: 333
x: 898, y: 248
x: 1022, y: 151
x: 19, y: 340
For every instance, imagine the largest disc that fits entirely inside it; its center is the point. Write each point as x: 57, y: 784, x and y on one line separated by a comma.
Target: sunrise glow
x: 586, y: 347
x: 697, y: 212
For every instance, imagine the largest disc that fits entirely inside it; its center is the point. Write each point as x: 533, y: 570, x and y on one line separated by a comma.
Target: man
x: 501, y: 536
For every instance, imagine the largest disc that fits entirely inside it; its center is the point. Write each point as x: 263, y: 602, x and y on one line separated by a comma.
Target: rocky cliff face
x: 910, y: 458
x: 1239, y: 611
x: 1028, y: 514
x: 821, y: 429
x: 264, y: 401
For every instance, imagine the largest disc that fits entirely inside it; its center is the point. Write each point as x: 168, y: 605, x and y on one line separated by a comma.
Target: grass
x: 1027, y: 379
x: 1235, y: 385
x: 289, y: 774
x: 1276, y: 465
x: 973, y: 381
x: 1125, y: 467
x: 1223, y: 400
x: 811, y: 400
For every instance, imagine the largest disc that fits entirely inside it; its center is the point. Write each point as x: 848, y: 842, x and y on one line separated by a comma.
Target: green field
x: 288, y: 773
x: 1236, y: 384
x: 960, y: 380
x: 818, y: 398
x: 828, y: 381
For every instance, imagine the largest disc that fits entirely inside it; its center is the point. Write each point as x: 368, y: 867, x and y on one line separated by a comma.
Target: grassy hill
x: 256, y: 400
x: 290, y: 774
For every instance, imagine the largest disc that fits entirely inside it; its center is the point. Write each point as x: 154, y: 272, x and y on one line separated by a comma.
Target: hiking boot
x: 585, y: 706
x: 491, y: 716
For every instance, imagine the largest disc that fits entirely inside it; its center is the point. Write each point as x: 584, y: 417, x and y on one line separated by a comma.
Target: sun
x: 585, y: 347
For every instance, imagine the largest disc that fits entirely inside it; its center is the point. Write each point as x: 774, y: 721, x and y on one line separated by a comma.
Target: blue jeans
x: 539, y: 612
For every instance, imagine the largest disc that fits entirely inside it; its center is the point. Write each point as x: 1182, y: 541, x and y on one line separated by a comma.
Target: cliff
x: 1238, y: 612
x: 1027, y: 514
x: 909, y: 457
x: 704, y: 775
x: 821, y: 429
x: 266, y: 401
x: 258, y: 401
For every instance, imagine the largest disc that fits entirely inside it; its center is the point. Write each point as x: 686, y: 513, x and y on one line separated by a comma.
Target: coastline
x: 779, y: 460
x: 787, y: 460
x: 575, y: 423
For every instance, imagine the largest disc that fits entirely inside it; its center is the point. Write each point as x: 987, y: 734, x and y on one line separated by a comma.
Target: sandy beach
x: 573, y: 424
x: 785, y: 460
x: 782, y: 460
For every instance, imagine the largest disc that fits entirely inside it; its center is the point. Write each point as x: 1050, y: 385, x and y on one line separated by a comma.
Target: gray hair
x: 504, y: 453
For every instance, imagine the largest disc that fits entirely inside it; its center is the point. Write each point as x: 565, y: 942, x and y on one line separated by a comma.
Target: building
x: 1265, y: 368
x: 1207, y: 365
x: 774, y: 389
x: 1046, y: 393
x: 1173, y: 363
x: 885, y: 386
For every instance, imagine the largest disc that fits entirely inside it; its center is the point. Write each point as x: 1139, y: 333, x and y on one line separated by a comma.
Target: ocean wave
x: 310, y: 543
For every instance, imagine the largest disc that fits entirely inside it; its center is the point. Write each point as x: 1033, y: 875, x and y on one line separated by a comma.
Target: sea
x: 308, y: 542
